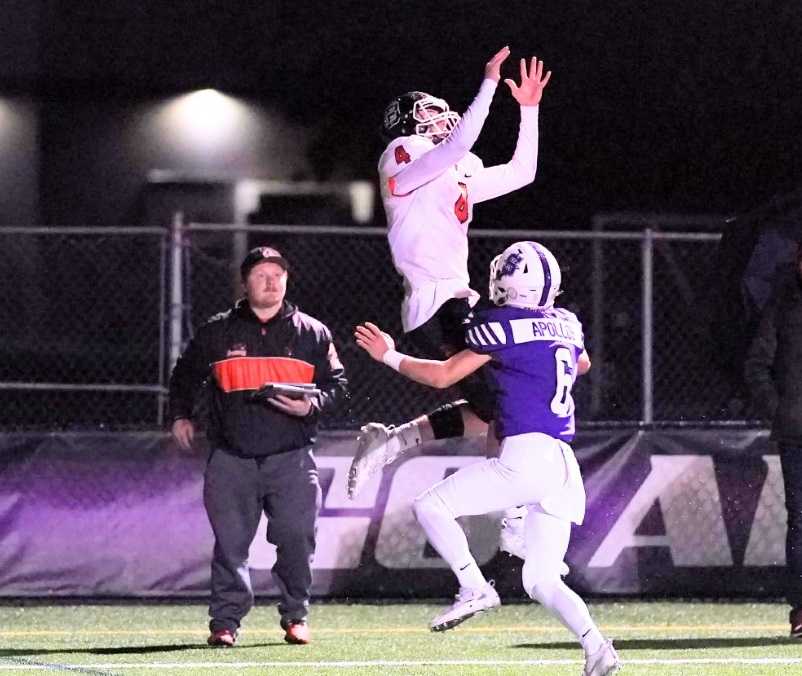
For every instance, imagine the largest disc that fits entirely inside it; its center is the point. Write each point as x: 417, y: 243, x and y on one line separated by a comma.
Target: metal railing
x: 635, y: 290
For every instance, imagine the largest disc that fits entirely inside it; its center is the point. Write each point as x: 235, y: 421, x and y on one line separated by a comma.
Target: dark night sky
x: 681, y: 105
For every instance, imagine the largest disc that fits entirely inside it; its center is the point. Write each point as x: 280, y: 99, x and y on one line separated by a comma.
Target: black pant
x: 791, y: 461
x: 443, y: 335
x: 236, y: 491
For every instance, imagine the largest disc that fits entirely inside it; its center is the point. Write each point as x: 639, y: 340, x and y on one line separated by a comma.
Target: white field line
x: 406, y: 664
x: 417, y: 629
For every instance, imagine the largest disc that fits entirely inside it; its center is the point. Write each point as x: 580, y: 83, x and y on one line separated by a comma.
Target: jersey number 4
x: 461, y: 205
x: 402, y: 156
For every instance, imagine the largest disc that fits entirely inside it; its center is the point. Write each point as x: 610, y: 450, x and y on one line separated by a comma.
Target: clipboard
x: 291, y: 390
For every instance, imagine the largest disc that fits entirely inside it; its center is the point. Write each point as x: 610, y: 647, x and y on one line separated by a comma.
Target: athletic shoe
x: 603, y: 662
x: 374, y: 450
x: 297, y: 632
x: 466, y: 604
x: 222, y: 638
x: 511, y: 541
x: 795, y: 618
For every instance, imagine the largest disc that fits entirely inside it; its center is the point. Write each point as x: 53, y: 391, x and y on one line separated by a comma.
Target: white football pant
x: 532, y: 469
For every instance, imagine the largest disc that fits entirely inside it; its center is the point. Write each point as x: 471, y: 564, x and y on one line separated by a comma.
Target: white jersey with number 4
x: 429, y: 190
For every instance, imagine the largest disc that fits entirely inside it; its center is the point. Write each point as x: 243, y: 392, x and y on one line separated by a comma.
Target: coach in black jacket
x: 773, y: 371
x: 261, y: 450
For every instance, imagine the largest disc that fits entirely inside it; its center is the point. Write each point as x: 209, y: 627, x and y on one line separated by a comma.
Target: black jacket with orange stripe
x: 238, y: 353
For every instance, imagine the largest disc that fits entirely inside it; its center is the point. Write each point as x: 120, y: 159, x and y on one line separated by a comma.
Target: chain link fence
x: 82, y: 322
x: 92, y: 317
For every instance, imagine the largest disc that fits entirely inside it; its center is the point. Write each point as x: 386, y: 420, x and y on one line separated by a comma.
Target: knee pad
x: 427, y: 503
x: 539, y: 581
x: 446, y: 420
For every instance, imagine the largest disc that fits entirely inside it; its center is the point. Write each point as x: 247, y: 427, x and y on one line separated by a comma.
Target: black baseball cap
x: 259, y: 255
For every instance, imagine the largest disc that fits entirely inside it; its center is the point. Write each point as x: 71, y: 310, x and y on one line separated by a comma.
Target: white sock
x: 591, y: 640
x: 408, y: 435
x: 570, y: 609
x: 469, y: 575
x: 448, y: 538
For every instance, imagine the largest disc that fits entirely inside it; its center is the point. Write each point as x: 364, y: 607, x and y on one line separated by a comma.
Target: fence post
x: 647, y: 327
x: 597, y: 353
x: 161, y: 400
x: 176, y: 313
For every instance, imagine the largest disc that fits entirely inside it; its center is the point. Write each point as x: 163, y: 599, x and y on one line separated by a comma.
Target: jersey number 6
x: 561, y: 402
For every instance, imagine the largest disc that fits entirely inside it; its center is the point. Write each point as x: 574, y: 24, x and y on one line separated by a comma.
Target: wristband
x: 393, y: 359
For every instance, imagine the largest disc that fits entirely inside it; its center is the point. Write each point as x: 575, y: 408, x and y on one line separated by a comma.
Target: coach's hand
x: 183, y: 431
x: 373, y: 340
x: 296, y: 407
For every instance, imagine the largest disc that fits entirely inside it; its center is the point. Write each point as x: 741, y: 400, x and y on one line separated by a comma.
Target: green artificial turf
x: 680, y: 638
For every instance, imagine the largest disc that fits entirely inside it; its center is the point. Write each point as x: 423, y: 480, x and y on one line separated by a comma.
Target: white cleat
x: 603, y: 662
x: 512, y: 541
x: 466, y: 604
x: 376, y: 447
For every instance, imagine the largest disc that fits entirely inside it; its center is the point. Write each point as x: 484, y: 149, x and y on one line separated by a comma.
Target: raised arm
x: 439, y: 374
x: 450, y: 151
x: 520, y: 170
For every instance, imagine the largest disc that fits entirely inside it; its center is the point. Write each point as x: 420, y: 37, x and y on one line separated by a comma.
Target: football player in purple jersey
x: 534, y: 353
x: 430, y: 181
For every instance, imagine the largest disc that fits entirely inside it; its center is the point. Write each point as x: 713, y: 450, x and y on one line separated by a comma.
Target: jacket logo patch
x: 237, y: 350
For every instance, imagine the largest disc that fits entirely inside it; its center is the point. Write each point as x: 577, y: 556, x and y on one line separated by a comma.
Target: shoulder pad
x: 565, y: 315
x: 486, y: 332
x: 401, y: 152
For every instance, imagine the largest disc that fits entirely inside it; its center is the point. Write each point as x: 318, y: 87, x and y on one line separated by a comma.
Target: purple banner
x: 674, y: 512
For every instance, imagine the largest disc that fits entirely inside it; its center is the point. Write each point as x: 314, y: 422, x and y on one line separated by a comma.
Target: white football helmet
x: 525, y: 274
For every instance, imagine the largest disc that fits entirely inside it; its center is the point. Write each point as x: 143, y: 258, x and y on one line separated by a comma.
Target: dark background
x: 675, y: 107
x: 681, y: 106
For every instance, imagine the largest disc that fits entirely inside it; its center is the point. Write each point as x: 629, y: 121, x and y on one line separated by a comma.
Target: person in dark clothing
x: 260, y: 449
x: 773, y: 371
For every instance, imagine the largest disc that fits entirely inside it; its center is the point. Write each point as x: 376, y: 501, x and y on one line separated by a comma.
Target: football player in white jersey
x: 533, y: 352
x: 430, y: 182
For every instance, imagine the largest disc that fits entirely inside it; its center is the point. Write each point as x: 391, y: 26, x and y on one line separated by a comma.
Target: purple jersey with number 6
x: 533, y: 367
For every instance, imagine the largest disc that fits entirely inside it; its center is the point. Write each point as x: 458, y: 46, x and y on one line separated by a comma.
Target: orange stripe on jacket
x: 250, y: 373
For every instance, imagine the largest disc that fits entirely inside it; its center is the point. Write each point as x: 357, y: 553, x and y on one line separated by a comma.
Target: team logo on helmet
x: 511, y: 264
x: 392, y: 114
